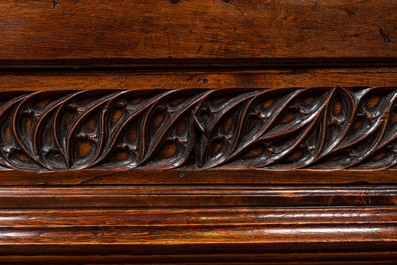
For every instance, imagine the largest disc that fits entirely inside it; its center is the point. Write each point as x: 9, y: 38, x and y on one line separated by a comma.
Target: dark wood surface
x: 197, y: 196
x: 327, y: 128
x: 210, y: 32
x: 57, y: 212
x: 188, y: 235
x: 345, y: 135
x: 198, y: 132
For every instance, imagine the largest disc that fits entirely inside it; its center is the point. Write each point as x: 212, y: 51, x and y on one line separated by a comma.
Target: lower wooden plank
x: 290, y: 258
x: 200, y: 235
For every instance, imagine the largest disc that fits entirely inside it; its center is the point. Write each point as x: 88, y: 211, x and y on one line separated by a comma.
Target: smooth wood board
x: 195, y: 32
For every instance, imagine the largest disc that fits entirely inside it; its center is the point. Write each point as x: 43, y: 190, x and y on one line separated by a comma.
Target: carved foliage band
x: 280, y: 129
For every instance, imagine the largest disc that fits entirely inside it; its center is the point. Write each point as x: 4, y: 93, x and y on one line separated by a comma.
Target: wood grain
x: 282, y: 235
x: 210, y: 32
x: 218, y: 216
x: 331, y: 128
x: 194, y: 196
x: 34, y: 151
x: 198, y: 132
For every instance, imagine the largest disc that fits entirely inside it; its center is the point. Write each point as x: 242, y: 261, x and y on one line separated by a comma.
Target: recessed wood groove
x: 193, y: 64
x: 194, y: 197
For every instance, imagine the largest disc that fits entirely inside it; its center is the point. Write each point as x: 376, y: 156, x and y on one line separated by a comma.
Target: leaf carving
x: 169, y: 129
x: 223, y: 126
x: 276, y: 129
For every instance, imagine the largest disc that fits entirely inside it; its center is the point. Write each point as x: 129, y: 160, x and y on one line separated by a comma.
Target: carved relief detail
x: 278, y: 129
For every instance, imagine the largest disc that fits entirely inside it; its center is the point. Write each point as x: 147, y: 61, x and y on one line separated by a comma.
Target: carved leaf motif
x: 223, y: 126
x: 169, y: 130
x: 276, y: 129
x: 76, y: 138
x: 12, y: 154
x: 385, y: 155
x: 367, y: 119
x: 124, y: 118
x: 44, y: 141
x: 339, y: 116
x: 308, y: 148
x: 262, y: 112
x: 285, y: 129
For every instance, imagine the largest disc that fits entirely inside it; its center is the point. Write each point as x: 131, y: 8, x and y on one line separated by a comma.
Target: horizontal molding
x: 335, y: 234
x: 188, y: 218
x: 194, y: 196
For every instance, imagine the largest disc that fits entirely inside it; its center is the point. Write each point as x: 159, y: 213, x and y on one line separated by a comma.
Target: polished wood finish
x: 198, y: 224
x: 219, y: 235
x: 275, y: 129
x: 197, y: 196
x: 198, y: 132
x: 210, y: 32
x: 351, y: 123
x: 89, y: 214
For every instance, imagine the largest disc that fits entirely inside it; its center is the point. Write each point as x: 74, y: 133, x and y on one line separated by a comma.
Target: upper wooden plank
x: 211, y: 29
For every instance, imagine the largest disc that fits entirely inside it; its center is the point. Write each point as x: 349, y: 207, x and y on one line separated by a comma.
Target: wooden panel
x: 134, y: 32
x: 132, y: 127
x: 290, y: 161
x: 65, y: 207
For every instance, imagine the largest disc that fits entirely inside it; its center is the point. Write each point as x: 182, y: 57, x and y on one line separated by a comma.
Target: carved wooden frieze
x: 279, y: 129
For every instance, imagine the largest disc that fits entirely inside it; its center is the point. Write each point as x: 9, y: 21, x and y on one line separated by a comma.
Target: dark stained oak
x: 198, y: 132
x: 194, y: 196
x: 329, y: 128
x: 239, y: 235
x: 210, y: 32
x: 264, y: 127
x: 61, y: 206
